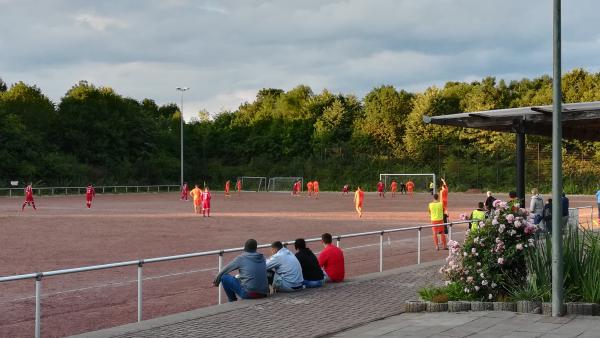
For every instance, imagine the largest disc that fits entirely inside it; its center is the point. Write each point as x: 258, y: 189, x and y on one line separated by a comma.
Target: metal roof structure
x: 580, y: 121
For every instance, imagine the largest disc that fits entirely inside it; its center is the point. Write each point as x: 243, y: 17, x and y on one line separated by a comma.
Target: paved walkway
x: 478, y: 324
x: 310, y: 313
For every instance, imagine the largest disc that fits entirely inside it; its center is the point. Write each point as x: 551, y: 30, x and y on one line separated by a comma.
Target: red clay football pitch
x: 62, y: 233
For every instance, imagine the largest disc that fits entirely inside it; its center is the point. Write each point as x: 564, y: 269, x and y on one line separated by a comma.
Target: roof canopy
x: 581, y: 121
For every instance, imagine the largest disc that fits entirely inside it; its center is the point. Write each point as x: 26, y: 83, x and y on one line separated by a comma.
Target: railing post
x: 449, y: 233
x: 126, y: 189
x: 220, y: 267
x: 38, y: 305
x: 148, y: 188
x: 381, y: 252
x: 419, y: 246
x: 139, y: 290
x: 10, y: 192
x: 337, y: 241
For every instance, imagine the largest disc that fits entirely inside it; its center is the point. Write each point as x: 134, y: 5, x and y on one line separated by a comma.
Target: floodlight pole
x: 182, y: 90
x: 557, y: 184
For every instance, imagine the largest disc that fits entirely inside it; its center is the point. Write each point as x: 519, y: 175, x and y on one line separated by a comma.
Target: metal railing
x: 99, y: 189
x: 575, y: 212
x: 38, y: 276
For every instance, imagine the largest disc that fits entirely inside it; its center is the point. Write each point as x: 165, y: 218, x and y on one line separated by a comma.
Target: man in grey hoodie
x: 286, y: 268
x: 252, y: 280
x: 536, y: 206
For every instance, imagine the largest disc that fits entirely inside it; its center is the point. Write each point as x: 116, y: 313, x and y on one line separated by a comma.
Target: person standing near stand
x: 436, y: 213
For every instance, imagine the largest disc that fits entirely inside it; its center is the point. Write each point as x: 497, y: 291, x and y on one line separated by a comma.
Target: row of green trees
x: 94, y: 134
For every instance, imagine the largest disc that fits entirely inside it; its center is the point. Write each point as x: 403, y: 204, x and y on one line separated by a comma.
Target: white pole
x: 381, y: 252
x: 38, y: 306
x: 139, y: 291
x: 419, y: 246
x: 220, y: 267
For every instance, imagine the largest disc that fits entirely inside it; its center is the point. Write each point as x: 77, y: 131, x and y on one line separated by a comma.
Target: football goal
x: 421, y: 181
x: 252, y: 183
x: 284, y: 184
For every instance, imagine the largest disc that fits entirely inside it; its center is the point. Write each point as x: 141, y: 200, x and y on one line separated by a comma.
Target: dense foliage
x: 491, y: 260
x: 94, y: 134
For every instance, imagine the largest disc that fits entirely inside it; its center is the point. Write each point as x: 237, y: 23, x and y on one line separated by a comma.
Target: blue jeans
x: 313, y: 283
x: 232, y: 286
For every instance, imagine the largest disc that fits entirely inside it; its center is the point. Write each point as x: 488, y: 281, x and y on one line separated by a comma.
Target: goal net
x: 421, y: 181
x: 252, y: 183
x: 284, y: 183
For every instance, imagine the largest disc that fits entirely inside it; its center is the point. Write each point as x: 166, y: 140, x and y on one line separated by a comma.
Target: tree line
x: 93, y: 134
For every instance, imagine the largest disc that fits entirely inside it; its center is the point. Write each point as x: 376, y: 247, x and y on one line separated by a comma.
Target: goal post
x: 421, y: 180
x: 284, y: 184
x: 253, y: 183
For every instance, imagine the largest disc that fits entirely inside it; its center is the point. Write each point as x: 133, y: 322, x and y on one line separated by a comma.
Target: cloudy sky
x: 225, y: 51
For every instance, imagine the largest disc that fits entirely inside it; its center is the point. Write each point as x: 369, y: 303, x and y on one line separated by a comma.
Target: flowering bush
x: 492, y: 257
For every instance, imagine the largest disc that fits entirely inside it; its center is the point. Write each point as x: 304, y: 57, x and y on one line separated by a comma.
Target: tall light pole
x: 182, y: 90
x: 557, y: 183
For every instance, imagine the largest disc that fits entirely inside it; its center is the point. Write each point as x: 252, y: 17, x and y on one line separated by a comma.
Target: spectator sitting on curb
x: 312, y: 273
x: 331, y: 260
x: 284, y: 268
x: 252, y: 280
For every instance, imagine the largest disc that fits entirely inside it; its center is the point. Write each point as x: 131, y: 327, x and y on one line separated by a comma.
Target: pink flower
x: 510, y: 218
x: 476, y: 288
x: 518, y: 224
x: 530, y: 230
x: 500, y: 260
x: 473, y: 250
x: 495, y: 221
x: 496, y: 203
x: 519, y: 246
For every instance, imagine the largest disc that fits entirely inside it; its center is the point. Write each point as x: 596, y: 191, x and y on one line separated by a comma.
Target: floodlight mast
x: 182, y: 90
x: 557, y: 183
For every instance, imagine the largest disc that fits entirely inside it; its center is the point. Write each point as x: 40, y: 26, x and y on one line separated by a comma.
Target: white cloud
x: 225, y: 51
x: 99, y: 23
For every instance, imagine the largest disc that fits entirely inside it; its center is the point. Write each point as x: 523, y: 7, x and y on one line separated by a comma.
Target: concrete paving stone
x: 487, y: 335
x: 539, y: 327
x: 500, y: 314
x: 417, y: 331
x: 521, y: 335
x: 554, y: 335
x: 483, y: 323
x: 556, y: 320
x: 573, y: 328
